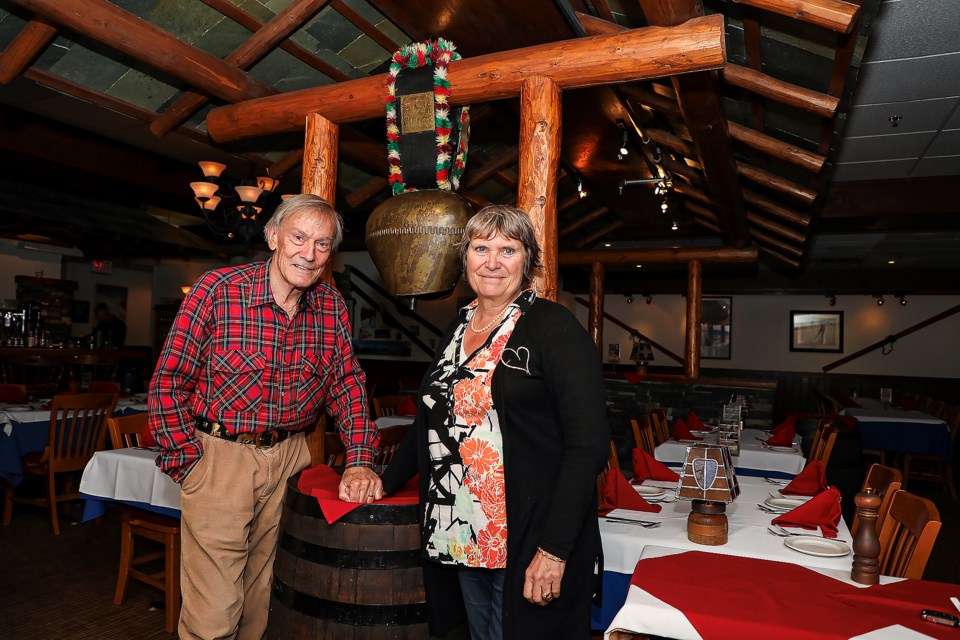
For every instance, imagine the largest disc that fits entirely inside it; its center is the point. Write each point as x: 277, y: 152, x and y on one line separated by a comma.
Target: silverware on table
x: 780, y: 532
x: 646, y: 524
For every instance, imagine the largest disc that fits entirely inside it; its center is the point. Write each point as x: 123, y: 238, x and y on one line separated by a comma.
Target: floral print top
x: 466, y: 515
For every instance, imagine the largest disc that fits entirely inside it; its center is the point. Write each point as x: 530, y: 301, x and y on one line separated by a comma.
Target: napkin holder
x: 708, y: 479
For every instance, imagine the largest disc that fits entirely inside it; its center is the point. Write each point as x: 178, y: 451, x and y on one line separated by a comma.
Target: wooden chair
x: 931, y: 467
x: 823, y: 440
x: 908, y: 534
x: 883, y: 481
x: 85, y: 370
x: 660, y: 428
x: 138, y: 523
x: 390, y: 440
x: 643, y: 433
x: 40, y: 374
x: 78, y: 427
x: 386, y: 405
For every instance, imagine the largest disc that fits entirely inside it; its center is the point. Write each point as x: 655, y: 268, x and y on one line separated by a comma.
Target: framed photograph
x: 716, y: 318
x: 816, y: 331
x: 613, y: 352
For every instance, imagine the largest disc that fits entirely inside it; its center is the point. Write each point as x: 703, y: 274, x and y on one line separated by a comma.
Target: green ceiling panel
x: 332, y: 30
x: 10, y: 26
x: 187, y: 21
x: 89, y: 68
x: 365, y: 54
x: 142, y: 90
x: 286, y: 73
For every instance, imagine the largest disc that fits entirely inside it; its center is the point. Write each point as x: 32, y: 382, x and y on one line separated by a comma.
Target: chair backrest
x: 386, y: 405
x: 883, y: 481
x: 823, y: 441
x: 125, y: 430
x: 826, y: 403
x: 334, y: 453
x: 613, y: 463
x: 84, y: 369
x: 643, y: 433
x: 38, y: 373
x: 78, y: 427
x: 908, y: 534
x: 390, y: 440
x: 660, y: 428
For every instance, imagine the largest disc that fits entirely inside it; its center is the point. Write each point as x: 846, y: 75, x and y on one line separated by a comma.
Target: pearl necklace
x: 496, y: 319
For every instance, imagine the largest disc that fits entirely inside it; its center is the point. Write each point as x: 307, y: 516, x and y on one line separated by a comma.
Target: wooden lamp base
x: 707, y: 523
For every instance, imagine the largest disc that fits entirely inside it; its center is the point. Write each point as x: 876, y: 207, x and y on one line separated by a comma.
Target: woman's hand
x: 541, y: 581
x: 360, y: 484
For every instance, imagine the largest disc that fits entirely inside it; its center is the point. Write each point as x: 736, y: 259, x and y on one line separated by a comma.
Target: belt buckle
x: 248, y: 438
x: 215, y: 429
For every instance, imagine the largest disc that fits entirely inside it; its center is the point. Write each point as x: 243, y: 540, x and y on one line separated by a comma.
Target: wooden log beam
x: 600, y: 233
x: 121, y: 30
x: 640, y: 54
x: 320, y: 158
x: 672, y: 142
x: 777, y: 183
x: 479, y: 175
x: 691, y: 359
x: 595, y: 316
x: 25, y: 48
x: 539, y: 155
x: 583, y: 221
x: 777, y: 148
x: 834, y: 15
x: 262, y: 42
x: 815, y: 102
x: 365, y: 26
x: 568, y: 202
x: 367, y: 190
x: 666, y: 255
x: 655, y: 101
x: 769, y: 206
x: 708, y: 219
x: 286, y: 163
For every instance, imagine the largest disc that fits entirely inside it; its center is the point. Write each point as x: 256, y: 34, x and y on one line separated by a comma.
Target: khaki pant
x: 230, y: 521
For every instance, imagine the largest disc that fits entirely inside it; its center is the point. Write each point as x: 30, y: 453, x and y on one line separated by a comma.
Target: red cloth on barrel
x: 693, y: 421
x: 407, y: 407
x: 646, y: 467
x: 906, y: 598
x: 323, y: 483
x: 785, y: 601
x: 784, y: 437
x: 618, y: 494
x: 822, y: 511
x: 791, y: 421
x: 809, y: 482
x: 682, y: 432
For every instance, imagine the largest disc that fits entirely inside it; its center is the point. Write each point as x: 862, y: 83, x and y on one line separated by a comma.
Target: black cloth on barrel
x: 418, y: 150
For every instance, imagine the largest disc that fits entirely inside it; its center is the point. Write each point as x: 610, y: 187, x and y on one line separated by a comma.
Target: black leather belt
x: 260, y: 440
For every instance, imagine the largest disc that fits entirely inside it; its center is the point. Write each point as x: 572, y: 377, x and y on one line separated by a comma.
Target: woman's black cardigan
x: 549, y: 395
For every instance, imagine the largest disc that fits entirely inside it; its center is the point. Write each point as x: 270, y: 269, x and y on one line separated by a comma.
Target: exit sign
x: 101, y: 266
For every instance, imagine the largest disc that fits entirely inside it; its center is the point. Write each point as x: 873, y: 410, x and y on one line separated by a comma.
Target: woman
x: 510, y: 435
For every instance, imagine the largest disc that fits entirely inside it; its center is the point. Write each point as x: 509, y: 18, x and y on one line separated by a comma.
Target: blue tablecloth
x: 903, y: 431
x: 95, y: 506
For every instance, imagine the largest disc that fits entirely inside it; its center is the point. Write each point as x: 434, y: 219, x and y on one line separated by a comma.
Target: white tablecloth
x: 129, y: 475
x: 753, y: 455
x: 392, y: 421
x: 873, y: 410
x: 33, y: 412
x: 624, y: 544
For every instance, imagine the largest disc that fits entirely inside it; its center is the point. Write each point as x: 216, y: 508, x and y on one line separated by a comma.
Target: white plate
x: 16, y: 407
x: 650, y: 492
x: 783, y: 504
x: 774, y: 447
x: 814, y: 546
x: 777, y: 496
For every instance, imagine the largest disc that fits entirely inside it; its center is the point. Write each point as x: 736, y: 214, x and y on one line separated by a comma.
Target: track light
x: 629, y: 298
x: 649, y: 299
x: 623, y: 146
x: 664, y: 205
x: 832, y: 300
x: 879, y: 300
x: 903, y: 301
x: 674, y: 226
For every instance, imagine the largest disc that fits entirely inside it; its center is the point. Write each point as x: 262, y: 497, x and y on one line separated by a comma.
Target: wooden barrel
x: 359, y: 578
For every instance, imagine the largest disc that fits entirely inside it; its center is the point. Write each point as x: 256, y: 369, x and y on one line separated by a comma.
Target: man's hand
x: 360, y: 484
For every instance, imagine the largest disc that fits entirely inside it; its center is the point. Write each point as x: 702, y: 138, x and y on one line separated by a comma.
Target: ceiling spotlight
x: 649, y: 299
x: 832, y: 300
x: 879, y: 300
x: 664, y: 205
x: 891, y: 262
x: 629, y: 298
x: 895, y: 120
x: 623, y: 146
x: 903, y: 301
x: 639, y: 266
x: 674, y: 226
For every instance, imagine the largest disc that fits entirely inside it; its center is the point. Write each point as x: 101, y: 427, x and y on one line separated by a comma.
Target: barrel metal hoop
x: 347, y: 613
x: 349, y: 558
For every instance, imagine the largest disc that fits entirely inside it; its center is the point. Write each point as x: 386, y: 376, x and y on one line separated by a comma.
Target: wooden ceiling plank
x: 583, y: 221
x: 834, y: 15
x: 250, y: 23
x: 121, y: 30
x: 751, y: 45
x: 603, y: 10
x: 773, y: 227
x: 697, y: 45
x: 768, y: 206
x: 488, y: 169
x: 777, y: 148
x: 652, y: 100
x: 693, y: 192
x: 672, y: 142
x: 568, y: 202
x: 846, y: 48
x: 770, y: 241
x: 35, y: 36
x: 365, y: 26
x: 364, y: 192
x: 286, y: 163
x: 660, y: 255
x: 815, y: 102
x: 777, y: 183
x: 262, y: 42
x: 598, y: 234
x: 473, y: 198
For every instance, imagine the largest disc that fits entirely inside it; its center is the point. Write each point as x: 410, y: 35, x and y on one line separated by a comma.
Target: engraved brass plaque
x: 416, y: 112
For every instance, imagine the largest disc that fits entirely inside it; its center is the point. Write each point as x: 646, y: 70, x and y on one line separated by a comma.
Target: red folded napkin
x: 12, y: 394
x: 646, y: 467
x: 791, y: 421
x: 682, y: 432
x: 783, y: 438
x: 809, y: 482
x: 618, y: 494
x: 822, y: 511
x: 146, y: 437
x: 407, y: 407
x: 323, y: 483
x: 633, y: 378
x: 693, y: 421
x: 908, y: 403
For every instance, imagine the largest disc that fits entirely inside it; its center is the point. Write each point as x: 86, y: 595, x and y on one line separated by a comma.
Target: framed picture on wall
x: 816, y: 331
x: 716, y: 318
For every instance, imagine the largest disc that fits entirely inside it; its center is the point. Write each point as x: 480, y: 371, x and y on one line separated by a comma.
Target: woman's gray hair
x: 299, y: 203
x: 509, y: 222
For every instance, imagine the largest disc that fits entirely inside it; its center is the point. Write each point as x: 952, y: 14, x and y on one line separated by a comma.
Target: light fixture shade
x: 211, y: 170
x: 708, y: 474
x: 203, y: 190
x: 267, y: 183
x: 185, y: 289
x: 248, y: 193
x: 209, y: 204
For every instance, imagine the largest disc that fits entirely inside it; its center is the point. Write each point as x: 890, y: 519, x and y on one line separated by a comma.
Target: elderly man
x: 255, y: 355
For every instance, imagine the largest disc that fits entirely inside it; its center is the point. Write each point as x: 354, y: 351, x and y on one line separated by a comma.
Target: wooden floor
x: 61, y: 587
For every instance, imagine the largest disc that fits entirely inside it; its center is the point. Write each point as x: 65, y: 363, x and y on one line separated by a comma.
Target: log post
x: 595, y: 319
x: 539, y: 155
x: 691, y: 365
x: 866, y: 544
x: 320, y: 158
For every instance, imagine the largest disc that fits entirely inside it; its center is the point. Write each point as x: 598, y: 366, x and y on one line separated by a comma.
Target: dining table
x: 756, y: 458
x: 25, y: 428
x: 888, y: 428
x: 625, y: 541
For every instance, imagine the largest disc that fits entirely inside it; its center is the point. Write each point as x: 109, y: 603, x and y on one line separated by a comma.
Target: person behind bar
x: 110, y: 331
x: 255, y: 355
x: 510, y: 434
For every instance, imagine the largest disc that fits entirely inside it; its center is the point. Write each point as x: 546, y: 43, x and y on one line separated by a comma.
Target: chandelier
x: 234, y: 209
